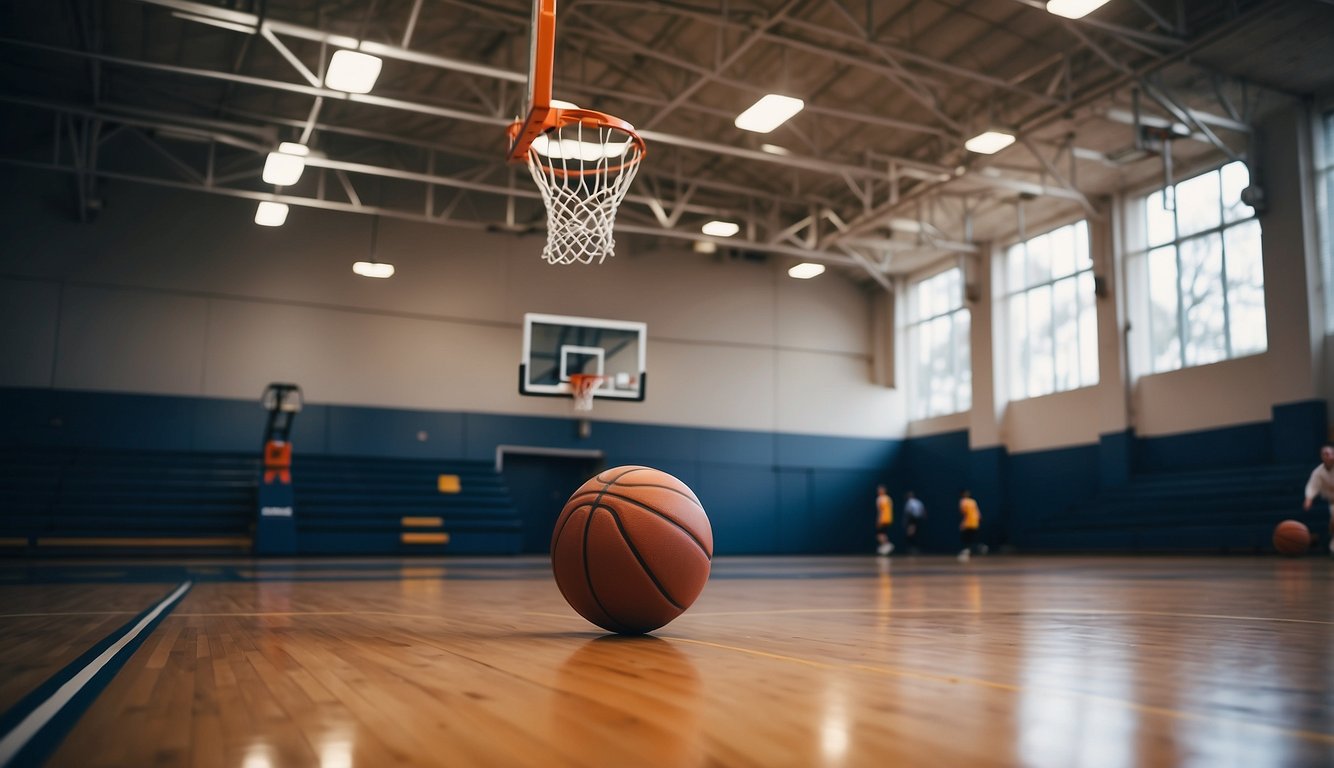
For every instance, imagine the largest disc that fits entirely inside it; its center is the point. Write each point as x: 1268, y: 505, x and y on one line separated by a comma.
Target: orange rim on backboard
x: 582, y: 387
x: 523, y: 133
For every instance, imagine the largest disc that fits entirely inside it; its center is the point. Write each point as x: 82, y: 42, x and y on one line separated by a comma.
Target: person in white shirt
x: 914, y: 514
x: 1322, y: 484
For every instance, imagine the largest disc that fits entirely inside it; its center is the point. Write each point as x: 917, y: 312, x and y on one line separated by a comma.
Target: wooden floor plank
x: 791, y: 661
x: 44, y: 628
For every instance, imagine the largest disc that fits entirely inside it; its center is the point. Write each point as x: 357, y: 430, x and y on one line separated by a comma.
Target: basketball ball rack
x: 582, y: 160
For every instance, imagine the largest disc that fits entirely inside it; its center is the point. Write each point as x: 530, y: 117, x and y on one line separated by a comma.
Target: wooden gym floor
x: 793, y: 661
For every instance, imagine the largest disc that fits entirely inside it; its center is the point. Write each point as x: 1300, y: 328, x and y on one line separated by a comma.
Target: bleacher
x: 350, y: 505
x: 78, y: 501
x: 66, y: 500
x: 1218, y: 510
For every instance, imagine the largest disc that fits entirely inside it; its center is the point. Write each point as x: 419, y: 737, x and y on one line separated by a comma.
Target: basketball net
x: 583, y: 166
x: 582, y: 386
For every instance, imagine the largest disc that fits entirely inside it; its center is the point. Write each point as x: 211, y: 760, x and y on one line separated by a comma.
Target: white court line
x: 28, y: 727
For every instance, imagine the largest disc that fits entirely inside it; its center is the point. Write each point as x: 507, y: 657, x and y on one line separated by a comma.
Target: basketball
x: 631, y: 550
x: 1291, y: 538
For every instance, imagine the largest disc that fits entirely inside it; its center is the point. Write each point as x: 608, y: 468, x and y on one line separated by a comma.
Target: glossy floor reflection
x: 792, y: 661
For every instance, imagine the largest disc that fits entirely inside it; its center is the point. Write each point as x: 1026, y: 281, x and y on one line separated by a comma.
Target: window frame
x: 913, y: 326
x: 1138, y: 249
x: 1323, y: 171
x: 1009, y: 293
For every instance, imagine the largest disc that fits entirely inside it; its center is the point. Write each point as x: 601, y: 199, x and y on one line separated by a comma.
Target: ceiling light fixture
x: 352, y: 71
x: 768, y: 113
x: 1074, y: 9
x: 774, y: 149
x: 284, y: 166
x: 377, y: 269
x: 270, y: 214
x: 989, y: 142
x: 806, y: 270
x: 374, y: 268
x: 721, y: 228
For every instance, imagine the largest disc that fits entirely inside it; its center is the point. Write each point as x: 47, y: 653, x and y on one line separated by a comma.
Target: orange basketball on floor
x: 1292, y: 538
x: 631, y: 550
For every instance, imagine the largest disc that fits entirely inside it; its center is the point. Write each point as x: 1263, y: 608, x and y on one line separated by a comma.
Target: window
x: 1325, y: 198
x: 1200, y: 250
x: 938, y: 327
x: 1053, y: 318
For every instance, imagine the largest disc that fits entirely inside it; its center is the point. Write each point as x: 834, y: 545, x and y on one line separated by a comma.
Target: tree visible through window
x: 1205, y: 275
x: 938, y: 328
x: 1053, y: 322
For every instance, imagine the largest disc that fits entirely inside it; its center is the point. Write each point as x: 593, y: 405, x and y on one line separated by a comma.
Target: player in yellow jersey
x: 884, y: 510
x: 971, y: 521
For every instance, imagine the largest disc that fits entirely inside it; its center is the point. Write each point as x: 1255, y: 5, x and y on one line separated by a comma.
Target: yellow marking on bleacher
x: 121, y: 541
x: 14, y: 542
x: 448, y: 484
x: 424, y: 538
x: 423, y: 522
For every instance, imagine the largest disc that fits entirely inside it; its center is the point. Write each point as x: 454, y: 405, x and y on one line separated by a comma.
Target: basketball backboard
x: 556, y: 347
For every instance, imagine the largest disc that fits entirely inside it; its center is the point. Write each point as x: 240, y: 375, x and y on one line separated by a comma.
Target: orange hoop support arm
x: 544, y: 58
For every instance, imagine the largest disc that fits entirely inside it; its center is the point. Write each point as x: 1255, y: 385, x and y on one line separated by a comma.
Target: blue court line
x: 35, y: 726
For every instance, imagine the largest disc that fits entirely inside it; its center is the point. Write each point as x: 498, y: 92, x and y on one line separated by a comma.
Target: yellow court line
x: 66, y: 613
x: 277, y: 613
x: 148, y: 541
x: 1323, y: 738
x: 973, y: 611
x: 433, y: 616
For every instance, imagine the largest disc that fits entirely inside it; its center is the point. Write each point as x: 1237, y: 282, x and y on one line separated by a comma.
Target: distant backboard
x: 555, y: 347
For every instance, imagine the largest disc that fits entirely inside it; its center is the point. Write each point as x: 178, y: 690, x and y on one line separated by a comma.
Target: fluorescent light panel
x: 352, y: 71
x: 989, y: 142
x: 806, y: 270
x: 376, y: 269
x: 283, y: 167
x: 768, y: 113
x: 1074, y: 9
x: 721, y: 228
x: 270, y: 214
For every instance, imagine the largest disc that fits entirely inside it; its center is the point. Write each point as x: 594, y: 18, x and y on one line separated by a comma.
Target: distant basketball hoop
x: 582, y: 160
x: 582, y: 386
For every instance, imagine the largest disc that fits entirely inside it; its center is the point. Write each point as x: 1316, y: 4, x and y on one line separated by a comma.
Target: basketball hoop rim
x: 524, y: 132
x: 583, y: 387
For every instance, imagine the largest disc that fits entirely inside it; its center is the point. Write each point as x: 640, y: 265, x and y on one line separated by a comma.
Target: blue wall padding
x: 1115, y: 458
x: 1237, y: 446
x: 1299, y: 431
x: 736, y: 473
x: 766, y: 492
x: 1048, y: 484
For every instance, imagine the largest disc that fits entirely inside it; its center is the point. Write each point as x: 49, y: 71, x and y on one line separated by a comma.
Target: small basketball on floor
x: 1291, y: 538
x: 631, y: 549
